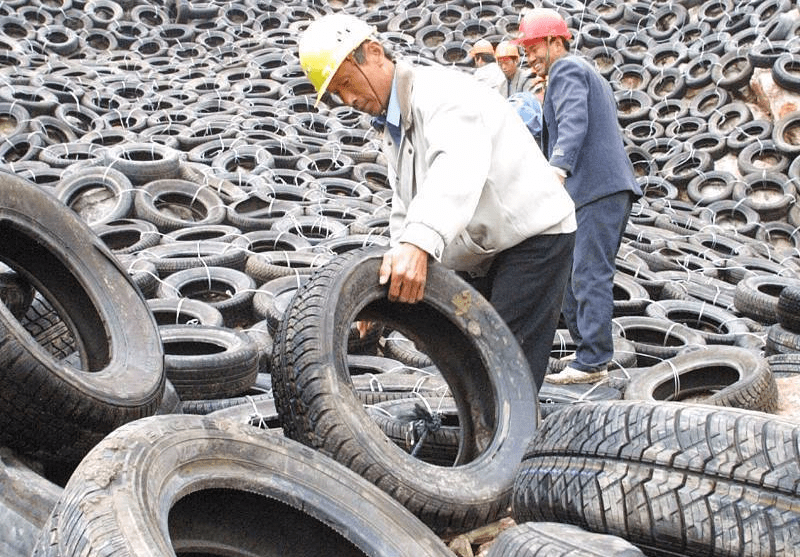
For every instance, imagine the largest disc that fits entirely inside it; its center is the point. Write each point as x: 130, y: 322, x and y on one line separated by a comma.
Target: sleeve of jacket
x: 458, y: 157
x: 398, y: 208
x: 569, y: 92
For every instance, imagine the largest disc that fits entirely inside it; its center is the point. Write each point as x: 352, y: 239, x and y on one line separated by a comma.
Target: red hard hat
x: 540, y: 23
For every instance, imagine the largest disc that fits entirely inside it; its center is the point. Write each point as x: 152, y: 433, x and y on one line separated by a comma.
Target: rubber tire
x: 177, y: 256
x: 757, y: 296
x: 397, y: 419
x: 716, y: 325
x: 781, y: 341
x: 143, y: 163
x: 733, y: 72
x: 609, y: 466
x: 553, y: 398
x: 398, y: 346
x: 317, y: 405
x: 118, y: 189
x: 717, y: 375
x: 185, y: 484
x: 789, y: 308
x: 127, y: 236
x: 49, y: 409
x: 26, y: 500
x: 556, y: 539
x: 205, y: 362
x: 266, y: 266
x: 274, y: 296
x: 171, y: 204
x: 656, y: 339
x: 784, y: 134
x: 785, y: 71
x: 227, y: 290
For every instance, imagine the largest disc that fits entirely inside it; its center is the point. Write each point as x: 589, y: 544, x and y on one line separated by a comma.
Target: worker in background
x: 583, y: 142
x: 470, y: 187
x: 486, y: 68
x: 507, y: 56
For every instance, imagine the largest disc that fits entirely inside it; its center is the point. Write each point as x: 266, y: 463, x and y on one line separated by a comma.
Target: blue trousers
x: 589, y: 299
x: 525, y: 285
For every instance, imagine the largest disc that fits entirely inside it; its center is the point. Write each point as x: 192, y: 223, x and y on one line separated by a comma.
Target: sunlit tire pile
x: 196, y: 357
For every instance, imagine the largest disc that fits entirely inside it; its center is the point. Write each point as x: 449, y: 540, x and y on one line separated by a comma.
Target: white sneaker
x: 569, y: 375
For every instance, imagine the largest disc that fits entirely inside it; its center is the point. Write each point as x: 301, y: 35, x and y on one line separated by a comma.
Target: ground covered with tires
x: 196, y: 358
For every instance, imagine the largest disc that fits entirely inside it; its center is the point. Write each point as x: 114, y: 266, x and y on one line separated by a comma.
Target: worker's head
x: 507, y: 55
x: 340, y: 55
x: 544, y: 35
x: 482, y: 52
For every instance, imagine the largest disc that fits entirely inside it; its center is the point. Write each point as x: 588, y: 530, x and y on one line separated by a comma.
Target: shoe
x: 569, y: 375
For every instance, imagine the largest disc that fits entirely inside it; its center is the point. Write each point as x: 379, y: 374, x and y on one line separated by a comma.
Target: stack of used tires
x: 196, y: 358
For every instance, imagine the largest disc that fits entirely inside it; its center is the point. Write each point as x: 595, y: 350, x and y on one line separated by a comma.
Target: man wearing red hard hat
x: 583, y: 142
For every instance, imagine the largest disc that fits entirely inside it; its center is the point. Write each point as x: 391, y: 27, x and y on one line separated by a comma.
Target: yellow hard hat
x: 506, y: 50
x: 481, y: 46
x: 325, y: 44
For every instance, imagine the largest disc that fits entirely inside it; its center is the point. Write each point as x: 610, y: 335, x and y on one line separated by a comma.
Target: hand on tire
x: 407, y: 267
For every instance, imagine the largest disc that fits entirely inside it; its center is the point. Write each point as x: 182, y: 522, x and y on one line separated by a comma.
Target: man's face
x: 509, y: 65
x: 537, y: 56
x: 365, y: 87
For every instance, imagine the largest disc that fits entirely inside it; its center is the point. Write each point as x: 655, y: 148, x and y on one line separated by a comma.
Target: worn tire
x: 26, y: 499
x: 460, y: 331
x: 757, y: 296
x: 191, y: 484
x: 718, y: 375
x: 555, y: 539
x: 789, y: 308
x: 205, y: 362
x: 48, y: 408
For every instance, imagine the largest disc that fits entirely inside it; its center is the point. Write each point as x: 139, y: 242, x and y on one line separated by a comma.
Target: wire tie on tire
x: 379, y: 409
x: 676, y: 378
x: 178, y: 310
x: 669, y: 332
x: 256, y: 414
x: 375, y: 385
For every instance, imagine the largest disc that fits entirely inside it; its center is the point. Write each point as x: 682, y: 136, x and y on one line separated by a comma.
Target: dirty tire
x: 205, y: 362
x: 409, y: 423
x: 672, y: 478
x: 789, y: 308
x: 757, y: 296
x: 26, y: 499
x: 184, y: 485
x: 48, y: 408
x: 554, y: 539
x: 470, y: 345
x: 781, y: 341
x: 718, y: 375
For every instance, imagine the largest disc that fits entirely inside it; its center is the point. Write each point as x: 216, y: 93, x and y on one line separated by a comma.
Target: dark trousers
x: 589, y: 300
x: 525, y: 285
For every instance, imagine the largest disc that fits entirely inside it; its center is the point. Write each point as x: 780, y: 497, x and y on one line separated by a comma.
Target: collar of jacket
x: 404, y: 74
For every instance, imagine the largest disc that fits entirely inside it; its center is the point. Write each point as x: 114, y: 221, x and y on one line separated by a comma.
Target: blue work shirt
x: 392, y: 117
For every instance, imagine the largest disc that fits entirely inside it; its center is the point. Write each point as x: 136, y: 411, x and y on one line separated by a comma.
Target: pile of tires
x: 189, y: 250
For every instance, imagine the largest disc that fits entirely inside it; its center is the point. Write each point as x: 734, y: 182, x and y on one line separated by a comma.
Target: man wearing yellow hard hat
x: 470, y: 187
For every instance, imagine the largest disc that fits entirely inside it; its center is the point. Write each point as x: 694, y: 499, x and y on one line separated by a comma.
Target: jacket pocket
x: 463, y: 254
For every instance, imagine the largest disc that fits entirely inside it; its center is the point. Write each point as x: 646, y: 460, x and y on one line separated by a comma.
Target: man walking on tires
x: 583, y: 142
x: 470, y: 187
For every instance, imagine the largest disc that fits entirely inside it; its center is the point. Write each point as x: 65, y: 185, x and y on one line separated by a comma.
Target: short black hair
x: 485, y: 57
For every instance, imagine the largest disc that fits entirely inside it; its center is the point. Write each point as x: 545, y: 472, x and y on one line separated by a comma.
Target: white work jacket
x: 468, y: 179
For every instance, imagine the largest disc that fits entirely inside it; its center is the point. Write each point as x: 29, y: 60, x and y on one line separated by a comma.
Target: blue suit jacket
x: 582, y: 134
